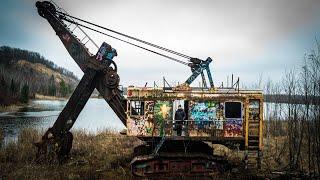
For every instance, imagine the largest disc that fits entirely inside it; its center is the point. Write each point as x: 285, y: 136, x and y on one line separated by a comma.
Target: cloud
x: 244, y: 37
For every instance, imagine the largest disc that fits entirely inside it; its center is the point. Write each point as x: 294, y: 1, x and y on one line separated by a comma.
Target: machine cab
x: 211, y: 115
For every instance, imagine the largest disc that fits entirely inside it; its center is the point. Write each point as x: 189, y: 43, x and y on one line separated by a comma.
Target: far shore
x: 18, y: 106
x: 43, y: 97
x: 11, y: 108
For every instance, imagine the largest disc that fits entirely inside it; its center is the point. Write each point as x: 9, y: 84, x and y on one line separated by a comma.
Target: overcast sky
x: 248, y: 38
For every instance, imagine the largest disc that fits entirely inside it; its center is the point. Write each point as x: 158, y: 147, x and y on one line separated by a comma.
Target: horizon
x: 248, y: 39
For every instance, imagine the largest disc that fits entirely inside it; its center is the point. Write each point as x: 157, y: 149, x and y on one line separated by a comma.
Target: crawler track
x: 176, y: 159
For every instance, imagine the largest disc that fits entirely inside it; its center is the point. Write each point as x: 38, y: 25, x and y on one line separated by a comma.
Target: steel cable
x: 127, y: 36
x: 163, y: 55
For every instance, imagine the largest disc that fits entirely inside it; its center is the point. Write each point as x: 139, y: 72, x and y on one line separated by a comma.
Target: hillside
x: 25, y: 73
x: 24, y: 65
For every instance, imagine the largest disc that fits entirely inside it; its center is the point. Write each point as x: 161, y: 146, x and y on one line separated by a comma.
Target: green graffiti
x: 149, y: 130
x: 162, y: 112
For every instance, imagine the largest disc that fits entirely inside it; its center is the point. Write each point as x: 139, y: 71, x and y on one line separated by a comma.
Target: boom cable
x: 61, y: 16
x: 127, y: 36
x: 163, y: 55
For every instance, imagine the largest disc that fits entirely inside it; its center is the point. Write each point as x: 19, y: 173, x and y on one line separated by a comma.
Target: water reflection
x: 41, y: 114
x: 96, y: 116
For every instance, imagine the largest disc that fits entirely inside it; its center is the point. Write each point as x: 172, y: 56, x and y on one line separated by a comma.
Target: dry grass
x: 10, y: 108
x: 43, y: 97
x: 103, y: 156
x: 275, y: 154
x: 107, y: 155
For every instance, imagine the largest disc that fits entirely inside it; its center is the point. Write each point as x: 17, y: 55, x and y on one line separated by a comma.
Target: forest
x: 25, y: 73
x: 292, y: 120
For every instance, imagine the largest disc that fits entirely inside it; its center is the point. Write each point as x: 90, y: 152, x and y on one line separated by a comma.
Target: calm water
x: 96, y: 116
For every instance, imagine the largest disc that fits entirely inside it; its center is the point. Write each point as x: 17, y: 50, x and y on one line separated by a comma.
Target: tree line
x: 19, y: 83
x: 9, y: 55
x: 293, y: 120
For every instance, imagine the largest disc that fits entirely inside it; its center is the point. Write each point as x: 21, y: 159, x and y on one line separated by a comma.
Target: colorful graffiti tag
x: 206, y: 113
x: 137, y: 126
x: 207, y: 119
x: 233, y: 128
x: 203, y: 111
x: 142, y: 125
x: 162, y: 112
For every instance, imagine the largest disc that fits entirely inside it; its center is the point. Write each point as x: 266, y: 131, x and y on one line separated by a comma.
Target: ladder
x: 253, y: 150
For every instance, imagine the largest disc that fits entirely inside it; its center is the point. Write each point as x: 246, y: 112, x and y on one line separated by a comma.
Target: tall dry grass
x: 106, y: 155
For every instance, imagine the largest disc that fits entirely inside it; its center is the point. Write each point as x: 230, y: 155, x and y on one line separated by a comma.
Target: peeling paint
x: 206, y: 112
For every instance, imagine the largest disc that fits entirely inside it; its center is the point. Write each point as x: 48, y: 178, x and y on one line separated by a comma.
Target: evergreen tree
x: 63, y: 89
x: 13, y: 87
x: 3, y: 83
x: 52, y: 87
x: 13, y: 75
x: 24, y: 97
x: 3, y: 90
x: 70, y: 90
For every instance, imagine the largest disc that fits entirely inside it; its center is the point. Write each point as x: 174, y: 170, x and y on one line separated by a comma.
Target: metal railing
x: 192, y: 127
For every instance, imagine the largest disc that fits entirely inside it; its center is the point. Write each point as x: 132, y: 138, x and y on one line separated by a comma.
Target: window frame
x: 241, y: 110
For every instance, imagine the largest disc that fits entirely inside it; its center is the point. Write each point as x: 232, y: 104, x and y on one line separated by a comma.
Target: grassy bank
x: 11, y: 108
x: 106, y: 155
x: 43, y: 97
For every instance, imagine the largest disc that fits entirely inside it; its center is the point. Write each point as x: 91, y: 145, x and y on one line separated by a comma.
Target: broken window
x: 137, y: 108
x: 233, y: 110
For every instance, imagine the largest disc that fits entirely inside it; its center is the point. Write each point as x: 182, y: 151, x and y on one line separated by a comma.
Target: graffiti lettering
x: 233, y: 128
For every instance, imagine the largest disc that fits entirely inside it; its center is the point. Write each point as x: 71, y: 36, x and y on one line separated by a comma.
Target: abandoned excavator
x: 213, y: 115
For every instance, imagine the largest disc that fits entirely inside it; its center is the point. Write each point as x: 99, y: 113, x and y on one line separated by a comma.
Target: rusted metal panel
x: 246, y: 123
x: 261, y: 125
x: 206, y: 113
x: 134, y: 93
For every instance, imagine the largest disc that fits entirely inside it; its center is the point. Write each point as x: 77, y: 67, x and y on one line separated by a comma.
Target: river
x: 41, y: 114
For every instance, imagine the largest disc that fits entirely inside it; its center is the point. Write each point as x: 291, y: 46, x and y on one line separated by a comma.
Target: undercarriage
x: 177, y: 158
